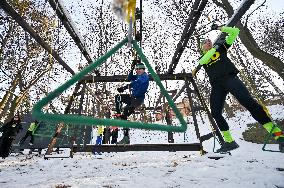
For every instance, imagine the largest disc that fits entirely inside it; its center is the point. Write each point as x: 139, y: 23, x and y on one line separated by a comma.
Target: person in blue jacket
x: 223, y: 78
x: 138, y: 87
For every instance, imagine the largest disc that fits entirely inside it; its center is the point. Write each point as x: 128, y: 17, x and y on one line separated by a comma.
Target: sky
x: 275, y: 5
x: 248, y: 166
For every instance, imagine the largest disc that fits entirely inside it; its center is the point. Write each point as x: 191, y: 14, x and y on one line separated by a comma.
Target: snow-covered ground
x: 248, y: 166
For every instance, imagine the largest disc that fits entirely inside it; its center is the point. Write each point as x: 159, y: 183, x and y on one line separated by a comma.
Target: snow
x: 248, y: 166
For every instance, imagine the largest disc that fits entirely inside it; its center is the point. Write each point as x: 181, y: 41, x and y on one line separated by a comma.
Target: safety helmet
x: 140, y: 66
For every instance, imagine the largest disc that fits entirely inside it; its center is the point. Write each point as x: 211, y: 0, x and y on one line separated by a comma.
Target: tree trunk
x: 8, y: 98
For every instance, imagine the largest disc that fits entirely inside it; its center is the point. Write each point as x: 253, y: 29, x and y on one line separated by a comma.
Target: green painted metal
x: 38, y: 114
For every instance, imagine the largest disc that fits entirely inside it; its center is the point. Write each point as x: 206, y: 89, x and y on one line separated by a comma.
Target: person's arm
x: 205, y: 59
x: 131, y: 77
x: 35, y: 127
x: 233, y: 33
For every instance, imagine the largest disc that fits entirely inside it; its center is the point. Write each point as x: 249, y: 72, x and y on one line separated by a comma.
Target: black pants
x: 131, y: 103
x: 234, y: 85
x: 28, y: 133
x: 5, y: 145
x: 114, y: 136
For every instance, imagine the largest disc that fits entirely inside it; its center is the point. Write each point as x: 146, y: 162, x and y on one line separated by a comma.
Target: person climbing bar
x: 33, y: 126
x: 223, y: 77
x: 138, y: 87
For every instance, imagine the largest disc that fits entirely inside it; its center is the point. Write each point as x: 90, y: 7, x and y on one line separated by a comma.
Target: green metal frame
x: 266, y: 140
x: 38, y: 114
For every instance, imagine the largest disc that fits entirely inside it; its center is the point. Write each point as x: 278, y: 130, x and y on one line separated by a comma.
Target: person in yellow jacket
x: 30, y: 132
x: 99, y: 139
x: 223, y: 78
x: 100, y: 133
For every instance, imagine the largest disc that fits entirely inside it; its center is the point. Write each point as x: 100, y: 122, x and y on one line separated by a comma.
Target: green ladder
x: 269, y: 137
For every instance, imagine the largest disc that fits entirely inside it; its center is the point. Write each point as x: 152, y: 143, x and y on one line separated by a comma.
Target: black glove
x: 195, y: 70
x: 121, y: 89
x: 214, y: 27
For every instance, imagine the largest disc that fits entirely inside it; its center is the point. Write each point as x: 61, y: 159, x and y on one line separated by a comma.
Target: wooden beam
x: 123, y: 78
x: 11, y: 12
x: 138, y: 147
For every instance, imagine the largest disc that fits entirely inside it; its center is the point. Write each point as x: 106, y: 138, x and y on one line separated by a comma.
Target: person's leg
x: 239, y: 90
x: 24, y: 138
x: 217, y: 100
x: 99, y: 140
x: 114, y: 135
x: 132, y: 103
x: 32, y: 137
x: 106, y: 135
x: 119, y: 100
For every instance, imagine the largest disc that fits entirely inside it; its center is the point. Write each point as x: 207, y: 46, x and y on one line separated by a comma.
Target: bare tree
x: 252, y: 46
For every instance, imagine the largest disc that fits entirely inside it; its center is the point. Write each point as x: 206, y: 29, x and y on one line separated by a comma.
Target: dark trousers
x: 5, y: 145
x: 131, y: 103
x: 235, y: 86
x: 106, y: 135
x: 28, y: 133
x: 114, y: 136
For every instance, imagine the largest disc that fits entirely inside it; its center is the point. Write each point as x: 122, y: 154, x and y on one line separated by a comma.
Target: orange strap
x: 278, y: 133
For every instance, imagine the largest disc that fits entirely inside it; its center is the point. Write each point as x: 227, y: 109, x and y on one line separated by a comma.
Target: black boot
x: 228, y: 147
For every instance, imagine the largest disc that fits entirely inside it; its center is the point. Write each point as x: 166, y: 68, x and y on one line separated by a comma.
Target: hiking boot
x: 228, y: 147
x: 280, y: 140
x: 125, y: 140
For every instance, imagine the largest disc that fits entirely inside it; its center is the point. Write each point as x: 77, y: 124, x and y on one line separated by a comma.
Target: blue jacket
x: 139, y: 85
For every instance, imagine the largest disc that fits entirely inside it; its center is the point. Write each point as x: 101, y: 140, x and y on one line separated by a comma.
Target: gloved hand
x: 120, y: 89
x: 214, y: 27
x: 193, y: 72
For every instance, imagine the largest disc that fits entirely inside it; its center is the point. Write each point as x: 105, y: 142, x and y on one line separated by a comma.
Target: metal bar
x: 193, y: 111
x: 188, y: 30
x: 11, y: 12
x: 206, y: 137
x: 237, y: 16
x: 70, y: 27
x: 211, y: 119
